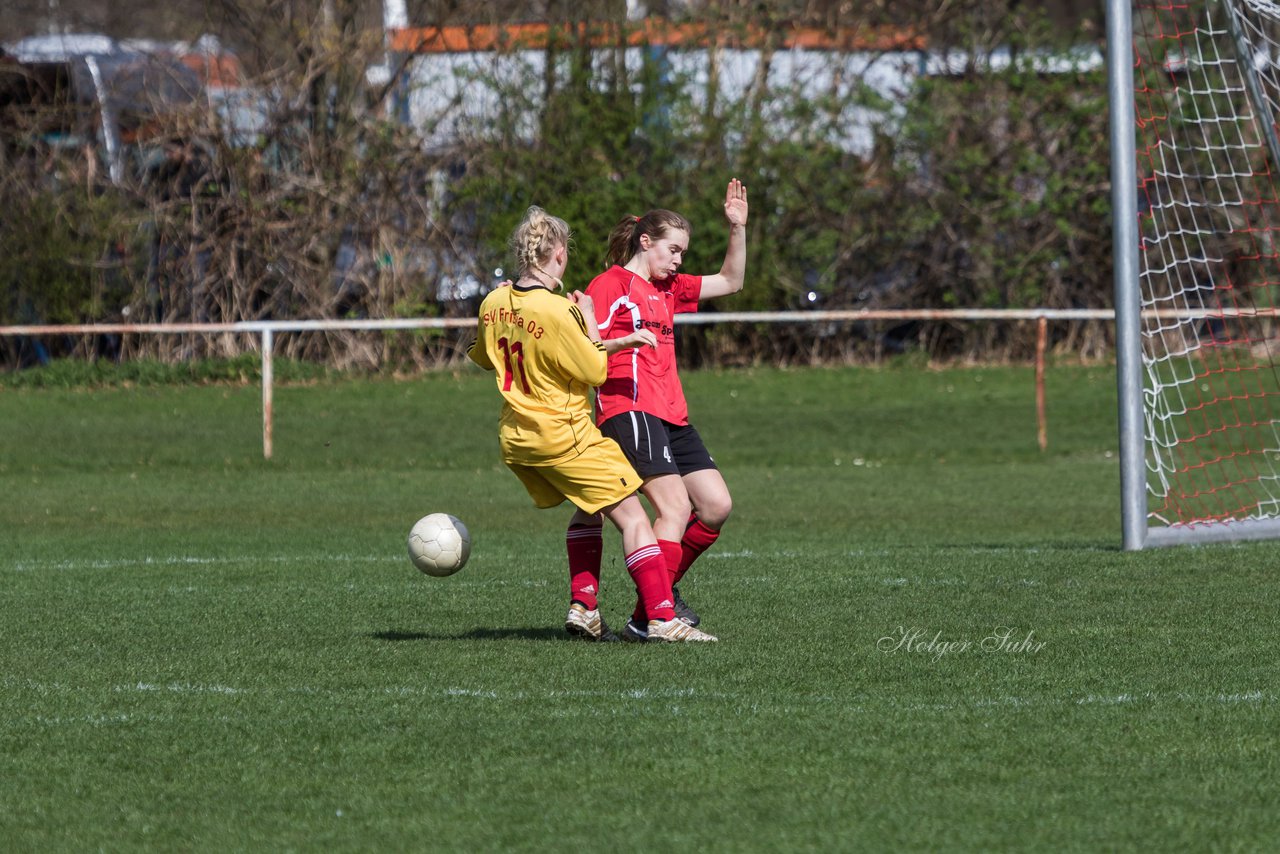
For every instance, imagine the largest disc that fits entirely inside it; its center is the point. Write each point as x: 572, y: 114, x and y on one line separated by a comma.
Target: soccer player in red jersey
x: 546, y: 354
x: 641, y: 404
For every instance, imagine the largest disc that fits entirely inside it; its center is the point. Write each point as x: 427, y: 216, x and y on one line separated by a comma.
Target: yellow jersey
x: 545, y: 364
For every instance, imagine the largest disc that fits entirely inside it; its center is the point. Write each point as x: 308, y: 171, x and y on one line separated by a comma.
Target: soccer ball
x: 439, y: 544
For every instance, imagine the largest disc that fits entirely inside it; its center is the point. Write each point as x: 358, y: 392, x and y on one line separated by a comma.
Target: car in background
x: 87, y: 89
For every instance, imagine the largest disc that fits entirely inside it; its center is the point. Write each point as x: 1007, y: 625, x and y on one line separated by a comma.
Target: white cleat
x: 587, y: 624
x: 676, y: 631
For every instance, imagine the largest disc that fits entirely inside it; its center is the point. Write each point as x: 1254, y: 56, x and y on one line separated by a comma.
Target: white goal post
x: 1195, y: 96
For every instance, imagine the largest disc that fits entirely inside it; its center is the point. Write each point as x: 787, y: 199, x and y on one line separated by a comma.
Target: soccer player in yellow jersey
x: 546, y: 354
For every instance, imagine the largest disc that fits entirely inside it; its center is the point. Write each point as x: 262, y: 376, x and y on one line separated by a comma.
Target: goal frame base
x: 1236, y: 531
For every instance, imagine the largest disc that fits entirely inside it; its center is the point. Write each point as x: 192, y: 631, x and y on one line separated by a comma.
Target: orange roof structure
x: 652, y: 31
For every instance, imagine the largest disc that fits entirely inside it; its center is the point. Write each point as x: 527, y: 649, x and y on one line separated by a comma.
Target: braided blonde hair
x: 535, y: 240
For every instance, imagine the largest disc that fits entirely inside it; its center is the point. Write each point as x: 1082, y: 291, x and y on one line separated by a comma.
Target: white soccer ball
x: 439, y: 544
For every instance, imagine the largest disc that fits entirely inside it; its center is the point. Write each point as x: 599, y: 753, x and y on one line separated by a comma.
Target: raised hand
x: 735, y: 203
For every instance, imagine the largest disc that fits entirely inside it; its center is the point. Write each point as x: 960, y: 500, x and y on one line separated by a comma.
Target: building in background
x: 457, y: 77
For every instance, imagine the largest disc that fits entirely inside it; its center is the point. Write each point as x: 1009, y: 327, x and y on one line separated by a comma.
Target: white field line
x: 863, y: 703
x: 188, y: 561
x: 171, y: 561
x: 463, y: 580
x: 960, y: 582
x: 177, y: 688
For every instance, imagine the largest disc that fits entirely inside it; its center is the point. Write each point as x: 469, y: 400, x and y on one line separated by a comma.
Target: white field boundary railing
x: 267, y: 329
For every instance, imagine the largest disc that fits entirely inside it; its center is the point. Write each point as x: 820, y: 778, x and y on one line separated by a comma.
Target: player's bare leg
x: 709, y: 495
x: 638, y: 539
x: 712, y: 504
x: 649, y: 571
x: 671, y: 508
x: 644, y: 558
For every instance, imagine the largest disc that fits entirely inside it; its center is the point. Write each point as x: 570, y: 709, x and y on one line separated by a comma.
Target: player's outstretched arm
x: 639, y: 338
x: 733, y: 271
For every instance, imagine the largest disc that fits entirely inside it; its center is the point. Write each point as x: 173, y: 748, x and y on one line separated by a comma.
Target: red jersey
x: 642, y: 378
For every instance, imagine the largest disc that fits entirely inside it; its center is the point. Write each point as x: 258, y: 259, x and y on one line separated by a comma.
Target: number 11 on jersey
x: 510, y: 348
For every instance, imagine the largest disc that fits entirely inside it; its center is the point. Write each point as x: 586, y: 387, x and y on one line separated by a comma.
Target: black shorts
x: 657, y: 447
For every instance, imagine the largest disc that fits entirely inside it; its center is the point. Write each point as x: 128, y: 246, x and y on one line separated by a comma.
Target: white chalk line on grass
x: 187, y: 561
x: 177, y: 688
x: 172, y: 561
x: 183, y: 561
x: 99, y: 720
x: 473, y: 579
x: 657, y: 697
x: 960, y: 582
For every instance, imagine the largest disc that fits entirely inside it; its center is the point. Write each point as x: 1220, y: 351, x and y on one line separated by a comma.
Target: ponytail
x: 622, y: 237
x: 624, y: 240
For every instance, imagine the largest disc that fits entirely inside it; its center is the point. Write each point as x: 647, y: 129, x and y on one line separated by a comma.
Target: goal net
x: 1206, y: 101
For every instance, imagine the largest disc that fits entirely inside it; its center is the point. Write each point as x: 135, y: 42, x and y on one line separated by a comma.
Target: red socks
x: 696, y: 540
x: 671, y: 552
x: 653, y: 582
x: 584, y: 544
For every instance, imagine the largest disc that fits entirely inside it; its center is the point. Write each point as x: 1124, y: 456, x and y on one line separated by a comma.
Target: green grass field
x: 200, y: 650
